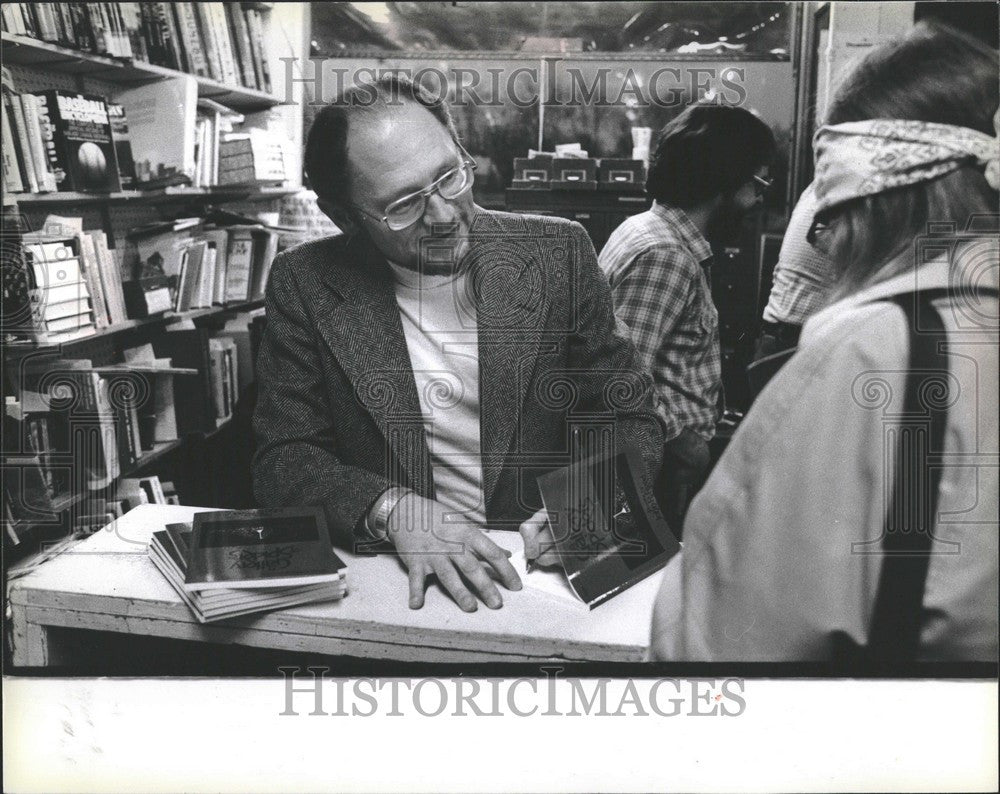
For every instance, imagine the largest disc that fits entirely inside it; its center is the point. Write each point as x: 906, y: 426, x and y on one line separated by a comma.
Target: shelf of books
x: 32, y: 52
x: 132, y: 299
x: 180, y: 193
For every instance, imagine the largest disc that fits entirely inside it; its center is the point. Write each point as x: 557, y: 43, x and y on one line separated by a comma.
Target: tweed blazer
x: 338, y: 418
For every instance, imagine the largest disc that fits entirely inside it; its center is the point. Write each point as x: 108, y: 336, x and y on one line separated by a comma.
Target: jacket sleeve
x: 610, y: 375
x: 296, y: 462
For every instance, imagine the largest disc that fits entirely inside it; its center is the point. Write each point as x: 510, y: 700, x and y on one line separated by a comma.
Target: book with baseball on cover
x: 279, y: 547
x: 77, y: 135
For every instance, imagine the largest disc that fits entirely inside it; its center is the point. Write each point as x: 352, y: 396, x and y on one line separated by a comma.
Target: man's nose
x: 438, y: 210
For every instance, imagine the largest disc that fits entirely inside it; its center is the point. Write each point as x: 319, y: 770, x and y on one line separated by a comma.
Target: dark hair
x: 936, y: 74
x: 708, y: 150
x: 326, y: 145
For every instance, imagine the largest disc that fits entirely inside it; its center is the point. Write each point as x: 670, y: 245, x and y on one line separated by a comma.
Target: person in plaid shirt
x: 707, y: 172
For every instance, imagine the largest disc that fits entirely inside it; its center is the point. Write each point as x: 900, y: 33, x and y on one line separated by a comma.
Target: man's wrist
x: 377, y: 519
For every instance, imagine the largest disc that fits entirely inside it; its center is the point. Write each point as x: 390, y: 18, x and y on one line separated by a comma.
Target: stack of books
x: 75, y: 284
x: 238, y: 562
x: 251, y: 158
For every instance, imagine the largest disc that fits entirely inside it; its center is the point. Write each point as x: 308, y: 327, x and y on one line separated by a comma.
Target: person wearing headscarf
x: 787, y: 546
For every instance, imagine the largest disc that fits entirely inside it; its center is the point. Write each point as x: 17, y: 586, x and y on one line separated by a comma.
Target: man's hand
x: 455, y: 554
x: 539, y: 547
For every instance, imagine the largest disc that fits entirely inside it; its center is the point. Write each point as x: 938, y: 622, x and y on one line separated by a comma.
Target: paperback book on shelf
x: 123, y: 145
x: 161, y: 128
x: 78, y: 143
x: 170, y: 549
x: 269, y: 548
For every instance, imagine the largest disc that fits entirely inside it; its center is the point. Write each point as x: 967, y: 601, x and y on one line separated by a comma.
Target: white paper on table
x: 551, y: 581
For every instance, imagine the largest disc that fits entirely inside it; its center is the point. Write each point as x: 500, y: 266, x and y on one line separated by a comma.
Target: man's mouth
x: 444, y: 231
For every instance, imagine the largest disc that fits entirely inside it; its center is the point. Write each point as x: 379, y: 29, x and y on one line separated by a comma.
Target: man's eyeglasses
x: 761, y: 184
x: 404, y: 212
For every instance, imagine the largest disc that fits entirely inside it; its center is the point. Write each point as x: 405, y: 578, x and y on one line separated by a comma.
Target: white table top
x: 109, y: 573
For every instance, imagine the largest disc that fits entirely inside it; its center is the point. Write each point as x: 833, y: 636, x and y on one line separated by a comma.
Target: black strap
x: 894, y: 633
x: 907, y: 537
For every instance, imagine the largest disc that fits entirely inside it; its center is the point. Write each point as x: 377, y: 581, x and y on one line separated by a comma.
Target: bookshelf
x: 15, y: 350
x: 25, y: 51
x: 193, y: 458
x: 213, y: 195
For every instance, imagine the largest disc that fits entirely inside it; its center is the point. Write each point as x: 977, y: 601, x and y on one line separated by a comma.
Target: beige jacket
x: 771, y: 563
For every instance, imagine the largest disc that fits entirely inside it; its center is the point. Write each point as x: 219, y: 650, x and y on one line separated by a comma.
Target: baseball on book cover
x: 607, y: 530
x: 261, y: 548
x: 81, y: 150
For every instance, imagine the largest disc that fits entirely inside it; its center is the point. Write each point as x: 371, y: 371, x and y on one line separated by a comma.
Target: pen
x: 529, y: 566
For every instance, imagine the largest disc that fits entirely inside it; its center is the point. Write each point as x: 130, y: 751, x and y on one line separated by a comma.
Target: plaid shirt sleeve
x: 650, y: 295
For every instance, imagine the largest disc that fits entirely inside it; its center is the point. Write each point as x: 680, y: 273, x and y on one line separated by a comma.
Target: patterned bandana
x: 862, y: 158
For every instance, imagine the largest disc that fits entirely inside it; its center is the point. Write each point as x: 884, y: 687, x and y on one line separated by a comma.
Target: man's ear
x: 338, y: 215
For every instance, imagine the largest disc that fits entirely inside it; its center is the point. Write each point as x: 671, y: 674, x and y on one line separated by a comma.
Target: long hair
x: 933, y: 74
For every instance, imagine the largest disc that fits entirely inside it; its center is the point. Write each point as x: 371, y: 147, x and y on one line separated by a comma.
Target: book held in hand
x: 607, y: 530
x: 261, y: 548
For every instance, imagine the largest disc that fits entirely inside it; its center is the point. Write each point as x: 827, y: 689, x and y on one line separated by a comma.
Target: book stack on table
x: 230, y: 563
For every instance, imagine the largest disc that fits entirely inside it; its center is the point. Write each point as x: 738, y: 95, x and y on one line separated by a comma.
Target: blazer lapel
x: 511, y: 321
x: 359, y: 321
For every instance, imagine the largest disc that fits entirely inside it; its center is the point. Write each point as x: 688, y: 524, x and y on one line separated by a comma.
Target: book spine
x: 262, y: 262
x: 47, y: 28
x: 91, y: 268
x: 123, y: 146
x: 54, y: 162
x: 255, y: 28
x: 83, y: 32
x: 98, y: 27
x: 238, y: 265
x: 265, y: 67
x: 59, y: 311
x: 224, y: 42
x: 39, y: 156
x: 108, y: 435
x: 49, y: 273
x: 241, y: 36
x: 191, y: 36
x: 65, y: 20
x: 28, y: 24
x: 110, y: 277
x: 132, y: 30
x: 73, y: 322
x: 207, y: 27
x: 165, y: 15
x: 215, y: 373
x: 11, y: 170
x: 221, y: 269
x: 88, y: 262
x: 128, y: 455
x: 21, y: 129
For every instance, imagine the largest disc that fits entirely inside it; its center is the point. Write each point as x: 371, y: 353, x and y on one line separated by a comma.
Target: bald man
x: 420, y: 371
